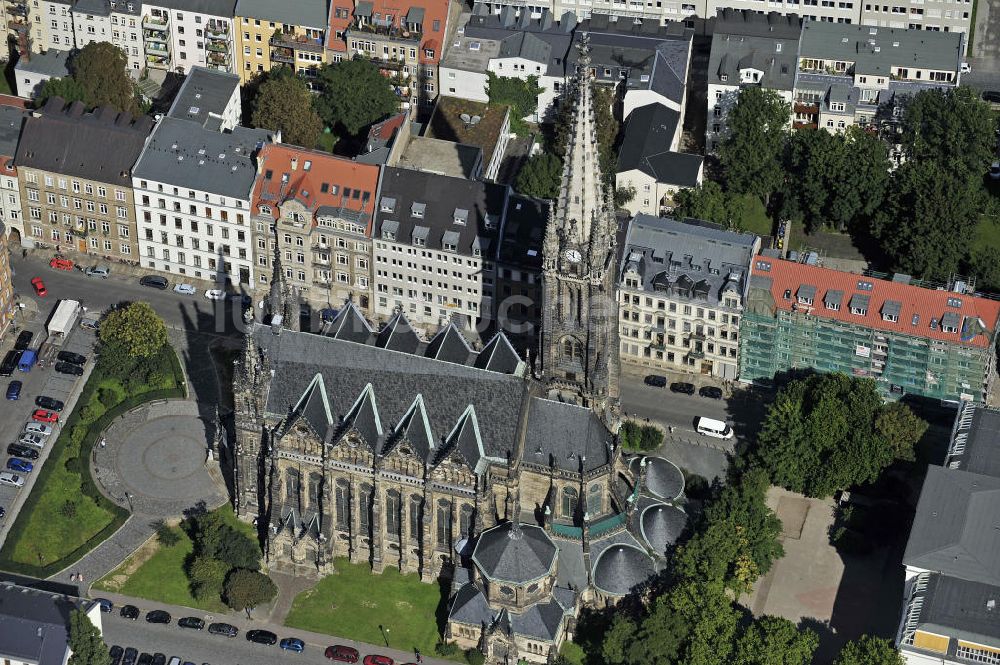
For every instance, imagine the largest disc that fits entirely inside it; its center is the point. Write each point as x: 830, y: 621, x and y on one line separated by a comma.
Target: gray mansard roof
x: 306, y: 13
x: 961, y: 609
x: 690, y: 260
x: 11, y: 121
x: 748, y: 39
x: 34, y: 625
x: 516, y: 555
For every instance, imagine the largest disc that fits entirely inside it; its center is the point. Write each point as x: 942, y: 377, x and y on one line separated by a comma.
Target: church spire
x: 581, y: 193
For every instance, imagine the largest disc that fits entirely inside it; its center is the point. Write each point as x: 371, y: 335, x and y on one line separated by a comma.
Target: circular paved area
x: 157, y: 454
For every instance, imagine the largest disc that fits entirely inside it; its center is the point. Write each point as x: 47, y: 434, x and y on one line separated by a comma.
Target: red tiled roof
x: 7, y: 164
x: 918, y: 306
x: 336, y: 173
x: 434, y: 11
x: 333, y: 42
x: 16, y: 102
x: 384, y: 130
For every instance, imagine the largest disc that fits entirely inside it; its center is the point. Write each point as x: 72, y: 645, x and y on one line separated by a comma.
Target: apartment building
x: 911, y: 338
x: 37, y: 624
x: 74, y: 173
x: 181, y: 34
x: 748, y: 48
x: 7, y: 304
x: 406, y: 40
x: 114, y: 21
x: 433, y: 248
x: 939, y: 16
x: 57, y: 19
x: 517, y: 308
x: 22, y: 30
x: 210, y: 98
x: 315, y: 211
x: 12, y: 115
x: 846, y: 72
x: 682, y: 290
x: 952, y: 558
x: 271, y: 33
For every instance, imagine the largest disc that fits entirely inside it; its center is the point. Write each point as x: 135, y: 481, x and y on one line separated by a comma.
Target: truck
x: 62, y: 320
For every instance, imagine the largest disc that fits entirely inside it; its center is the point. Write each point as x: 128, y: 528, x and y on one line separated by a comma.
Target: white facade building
x: 181, y: 34
x: 114, y: 21
x: 57, y: 32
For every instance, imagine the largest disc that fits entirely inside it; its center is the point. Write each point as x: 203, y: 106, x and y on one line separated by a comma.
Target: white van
x: 714, y: 428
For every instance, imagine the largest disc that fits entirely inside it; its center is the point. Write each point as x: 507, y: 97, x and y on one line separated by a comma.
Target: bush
x: 207, y: 576
x: 636, y: 437
x: 72, y: 464
x: 166, y: 534
x: 68, y: 508
x: 475, y: 657
x: 445, y: 649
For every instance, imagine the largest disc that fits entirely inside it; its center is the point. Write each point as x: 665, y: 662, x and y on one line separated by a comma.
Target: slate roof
x: 976, y: 443
x: 51, y: 63
x: 450, y: 346
x: 203, y: 96
x: 645, y: 145
x: 620, y: 568
x: 499, y: 356
x: 663, y: 479
x: 541, y: 620
x: 34, y: 625
x: 961, y: 609
x: 398, y: 335
x: 745, y: 38
x: 350, y: 325
x: 189, y: 156
x: 306, y: 13
x: 100, y: 146
x: 519, y: 555
x: 11, y: 120
x: 523, y: 231
x: 956, y: 530
x: 691, y: 260
x: 892, y: 47
x: 223, y: 8
x: 469, y: 606
x: 504, y: 35
x: 567, y: 436
x: 660, y: 525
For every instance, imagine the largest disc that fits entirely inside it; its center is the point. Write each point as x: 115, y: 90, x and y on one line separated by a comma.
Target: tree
x: 520, y: 94
x: 246, y: 589
x: 353, y: 95
x: 85, y: 641
x: 869, y: 650
x: 775, y: 641
x: 215, y: 538
x: 135, y: 329
x: 831, y: 431
x: 712, y: 619
x: 166, y: 534
x: 207, y: 577
x: 751, y: 152
x: 284, y: 103
x: 540, y: 176
x: 737, y: 212
x: 984, y: 264
x: 101, y: 69
x: 66, y: 87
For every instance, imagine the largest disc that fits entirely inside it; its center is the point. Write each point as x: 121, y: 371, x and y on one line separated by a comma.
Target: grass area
x: 160, y: 574
x: 66, y: 516
x: 756, y: 220
x: 987, y: 233
x: 326, y: 142
x: 352, y: 603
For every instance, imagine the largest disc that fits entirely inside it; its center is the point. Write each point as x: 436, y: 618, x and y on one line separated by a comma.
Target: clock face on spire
x: 573, y: 255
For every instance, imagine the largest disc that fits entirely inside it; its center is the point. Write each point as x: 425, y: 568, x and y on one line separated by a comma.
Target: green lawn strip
x: 161, y: 577
x: 353, y: 602
x: 48, y: 534
x: 987, y: 233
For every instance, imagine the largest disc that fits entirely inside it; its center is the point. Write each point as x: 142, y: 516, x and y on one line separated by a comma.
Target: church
x: 435, y: 458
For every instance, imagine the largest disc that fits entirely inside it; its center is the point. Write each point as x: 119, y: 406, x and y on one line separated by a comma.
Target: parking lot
x: 39, y: 381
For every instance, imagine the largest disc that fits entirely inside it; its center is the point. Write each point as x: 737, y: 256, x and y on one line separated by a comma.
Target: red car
x: 341, y: 653
x: 45, y: 416
x: 39, y: 286
x: 377, y: 660
x: 61, y: 264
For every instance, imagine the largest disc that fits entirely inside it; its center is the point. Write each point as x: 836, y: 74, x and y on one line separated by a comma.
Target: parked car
x: 158, y: 659
x: 37, y: 428
x: 191, y: 622
x: 90, y: 323
x: 710, y: 391
x: 45, y: 416
x: 655, y: 380
x: 185, y: 289
x: 994, y: 171
x: 32, y: 439
x: 341, y: 653
x: 157, y: 616
x: 215, y: 294
x: 69, y: 368
x: 19, y: 465
x: 686, y: 388
x: 50, y: 403
x: 14, y: 390
x: 11, y: 479
x: 129, y: 612
x: 70, y: 357
x: 145, y: 659
x: 39, y: 286
x: 23, y: 340
x: 155, y: 281
x: 21, y: 450
x: 106, y: 605
x: 10, y: 362
x: 292, y: 644
x: 129, y: 656
x: 60, y: 263
x: 116, y: 653
x: 377, y: 660
x: 259, y: 636
x: 98, y: 271
x: 226, y: 629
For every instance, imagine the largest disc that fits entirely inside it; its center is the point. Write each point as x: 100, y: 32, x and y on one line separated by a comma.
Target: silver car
x: 12, y: 479
x: 36, y: 440
x: 185, y: 289
x: 38, y: 428
x: 98, y: 271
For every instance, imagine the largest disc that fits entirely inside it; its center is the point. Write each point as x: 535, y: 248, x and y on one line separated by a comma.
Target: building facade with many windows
x: 7, y: 304
x: 932, y: 342
x: 181, y: 34
x: 681, y: 292
x: 82, y: 203
x: 116, y: 21
x: 280, y: 33
x: 12, y: 117
x: 315, y: 210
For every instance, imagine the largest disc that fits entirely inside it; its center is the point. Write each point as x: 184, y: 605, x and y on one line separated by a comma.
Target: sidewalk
x: 640, y: 372
x: 240, y: 620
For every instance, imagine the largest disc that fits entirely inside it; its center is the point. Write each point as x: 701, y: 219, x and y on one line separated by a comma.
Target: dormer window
x: 837, y: 106
x: 723, y: 77
x: 265, y: 210
x: 388, y: 235
x: 859, y: 304
x: 449, y: 247
x: 417, y: 210
x: 949, y: 322
x: 461, y: 216
x: 388, y: 204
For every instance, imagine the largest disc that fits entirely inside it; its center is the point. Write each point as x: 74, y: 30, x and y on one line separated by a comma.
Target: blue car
x: 14, y: 390
x: 292, y: 644
x: 18, y: 464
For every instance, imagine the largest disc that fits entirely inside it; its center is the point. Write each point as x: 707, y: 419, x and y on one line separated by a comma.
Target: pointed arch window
x: 595, y: 499
x: 443, y: 524
x: 392, y: 511
x: 343, y: 504
x: 293, y: 482
x: 416, y: 510
x: 366, y: 507
x: 570, y: 500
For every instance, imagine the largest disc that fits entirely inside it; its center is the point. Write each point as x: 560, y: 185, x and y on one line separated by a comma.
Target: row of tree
x: 922, y: 214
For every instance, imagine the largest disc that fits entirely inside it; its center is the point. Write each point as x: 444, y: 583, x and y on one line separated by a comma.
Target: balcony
x: 158, y: 62
x: 154, y: 36
x: 696, y: 355
x: 390, y: 31
x: 217, y: 31
x: 806, y: 108
x: 218, y: 59
x: 157, y: 48
x: 802, y: 124
x: 286, y: 55
x: 217, y: 47
x: 155, y: 22
x: 291, y: 41
x: 17, y: 9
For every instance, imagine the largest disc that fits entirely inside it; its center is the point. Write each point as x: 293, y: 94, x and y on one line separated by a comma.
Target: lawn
x: 66, y: 516
x: 352, y: 603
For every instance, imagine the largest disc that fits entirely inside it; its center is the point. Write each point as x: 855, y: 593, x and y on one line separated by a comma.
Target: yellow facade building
x: 271, y: 34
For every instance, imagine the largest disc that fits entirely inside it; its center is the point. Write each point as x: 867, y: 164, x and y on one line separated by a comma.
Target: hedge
x: 87, y: 485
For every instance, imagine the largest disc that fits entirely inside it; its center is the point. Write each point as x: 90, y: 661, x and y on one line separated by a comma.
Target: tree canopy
x: 135, y: 330
x: 775, y: 641
x: 540, y: 176
x: 709, y: 202
x: 66, y: 87
x: 520, y: 94
x: 353, y: 95
x: 751, y: 151
x: 869, y: 650
x: 215, y: 538
x: 101, y: 69
x: 285, y: 103
x: 831, y: 431
x: 85, y: 641
x: 246, y: 589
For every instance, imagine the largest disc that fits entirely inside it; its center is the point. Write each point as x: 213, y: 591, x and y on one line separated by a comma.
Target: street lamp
x: 128, y: 497
x: 385, y: 635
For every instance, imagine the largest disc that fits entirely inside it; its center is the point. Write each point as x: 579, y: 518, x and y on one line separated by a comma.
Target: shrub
x: 445, y: 649
x: 68, y: 508
x: 636, y: 437
x: 474, y: 657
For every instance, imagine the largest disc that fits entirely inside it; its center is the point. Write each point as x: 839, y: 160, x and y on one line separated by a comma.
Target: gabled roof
x: 314, y: 408
x: 469, y: 606
x: 363, y: 417
x: 466, y: 441
x: 350, y: 325
x: 415, y: 427
x: 541, y: 621
x: 570, y: 439
x: 645, y: 145
x: 398, y: 335
x: 499, y: 356
x: 450, y: 346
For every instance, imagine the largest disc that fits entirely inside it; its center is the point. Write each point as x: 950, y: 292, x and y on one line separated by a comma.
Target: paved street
x: 200, y: 647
